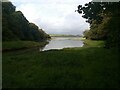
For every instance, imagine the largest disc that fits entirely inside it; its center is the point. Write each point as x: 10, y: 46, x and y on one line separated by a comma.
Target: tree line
x: 15, y: 26
x: 104, y: 20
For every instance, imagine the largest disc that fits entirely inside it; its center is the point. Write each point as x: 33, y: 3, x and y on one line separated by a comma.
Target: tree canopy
x: 103, y: 18
x: 17, y: 27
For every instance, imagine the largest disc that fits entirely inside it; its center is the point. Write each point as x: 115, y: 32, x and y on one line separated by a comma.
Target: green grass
x: 93, y: 43
x: 86, y: 67
x: 16, y: 45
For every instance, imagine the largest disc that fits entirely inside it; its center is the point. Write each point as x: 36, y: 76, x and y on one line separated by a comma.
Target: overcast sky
x: 54, y: 16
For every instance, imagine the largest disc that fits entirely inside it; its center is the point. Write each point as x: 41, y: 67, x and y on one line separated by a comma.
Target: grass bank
x: 93, y: 43
x: 86, y: 67
x: 18, y: 45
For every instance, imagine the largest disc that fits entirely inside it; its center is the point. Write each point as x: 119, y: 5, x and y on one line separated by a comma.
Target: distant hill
x: 16, y: 27
x: 64, y: 35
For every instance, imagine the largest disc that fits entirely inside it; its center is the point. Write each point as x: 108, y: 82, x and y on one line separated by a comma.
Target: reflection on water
x: 63, y: 42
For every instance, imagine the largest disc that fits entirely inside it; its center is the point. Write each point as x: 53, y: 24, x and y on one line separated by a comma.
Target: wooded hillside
x: 15, y: 26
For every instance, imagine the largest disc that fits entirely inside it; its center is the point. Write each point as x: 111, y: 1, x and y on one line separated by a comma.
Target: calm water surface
x: 63, y: 42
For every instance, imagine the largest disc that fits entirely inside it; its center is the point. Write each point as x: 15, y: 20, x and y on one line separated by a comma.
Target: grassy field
x: 18, y: 45
x: 91, y: 66
x: 93, y: 43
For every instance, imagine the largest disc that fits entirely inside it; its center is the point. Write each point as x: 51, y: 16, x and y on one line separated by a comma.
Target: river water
x: 63, y: 42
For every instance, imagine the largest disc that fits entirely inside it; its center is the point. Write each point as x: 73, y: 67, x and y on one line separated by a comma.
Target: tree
x: 17, y: 27
x: 103, y: 18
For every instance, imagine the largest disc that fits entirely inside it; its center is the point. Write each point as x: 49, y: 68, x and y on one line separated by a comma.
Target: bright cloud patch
x: 54, y: 16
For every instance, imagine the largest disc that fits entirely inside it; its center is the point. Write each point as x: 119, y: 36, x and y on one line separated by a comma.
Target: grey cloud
x: 54, y: 18
x: 73, y: 24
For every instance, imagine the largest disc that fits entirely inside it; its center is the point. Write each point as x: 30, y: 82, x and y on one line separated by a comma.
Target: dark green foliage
x: 86, y: 34
x: 91, y: 11
x: 104, y: 21
x: 20, y: 26
x: 114, y: 32
x: 8, y: 8
x: 38, y: 34
x: 97, y: 32
x: 17, y: 27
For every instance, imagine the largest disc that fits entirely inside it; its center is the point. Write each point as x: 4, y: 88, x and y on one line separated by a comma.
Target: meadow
x: 90, y: 66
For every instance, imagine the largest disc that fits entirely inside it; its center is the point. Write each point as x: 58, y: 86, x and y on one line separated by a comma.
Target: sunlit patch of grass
x: 93, y: 43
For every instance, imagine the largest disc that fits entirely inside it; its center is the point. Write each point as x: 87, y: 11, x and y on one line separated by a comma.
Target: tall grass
x: 86, y: 67
x: 17, y: 45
